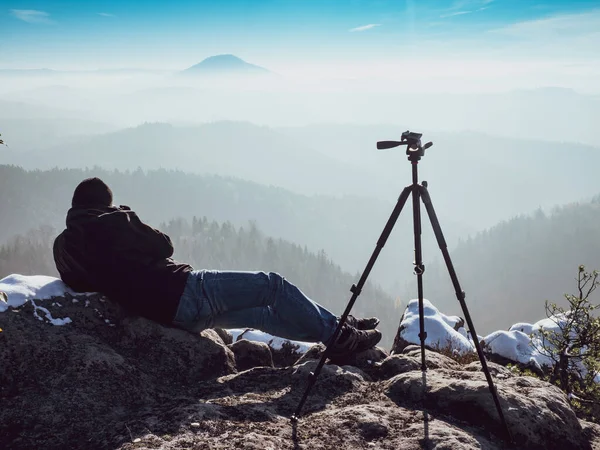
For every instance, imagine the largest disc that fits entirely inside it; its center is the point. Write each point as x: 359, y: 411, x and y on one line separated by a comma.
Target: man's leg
x: 265, y: 301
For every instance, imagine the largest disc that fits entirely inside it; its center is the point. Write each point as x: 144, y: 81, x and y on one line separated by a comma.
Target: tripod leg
x: 356, y: 290
x: 460, y: 295
x: 419, y: 267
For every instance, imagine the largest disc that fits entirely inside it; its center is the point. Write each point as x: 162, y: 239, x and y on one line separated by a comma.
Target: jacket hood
x: 79, y: 215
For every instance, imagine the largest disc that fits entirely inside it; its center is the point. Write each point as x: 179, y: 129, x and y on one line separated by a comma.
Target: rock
x: 433, y: 360
x: 460, y: 323
x: 250, y: 354
x: 496, y: 370
x: 134, y: 384
x: 397, y: 364
x: 503, y: 361
x: 367, y: 358
x: 287, y: 355
x: 315, y: 352
x: 66, y: 385
x: 538, y: 414
x: 225, y: 335
x: 592, y: 432
x: 410, y: 348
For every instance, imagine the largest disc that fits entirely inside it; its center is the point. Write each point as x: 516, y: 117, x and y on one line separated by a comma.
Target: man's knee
x: 276, y: 284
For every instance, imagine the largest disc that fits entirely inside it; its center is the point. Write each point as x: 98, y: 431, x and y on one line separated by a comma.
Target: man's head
x: 92, y: 192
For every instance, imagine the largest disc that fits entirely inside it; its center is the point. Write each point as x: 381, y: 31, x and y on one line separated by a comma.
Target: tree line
x: 208, y: 244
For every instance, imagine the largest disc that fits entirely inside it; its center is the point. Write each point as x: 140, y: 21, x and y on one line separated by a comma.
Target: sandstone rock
x: 365, y: 359
x: 132, y: 384
x: 538, y: 414
x: 225, y: 335
x: 315, y: 352
x: 396, y: 364
x: 63, y: 385
x: 250, y: 354
x: 433, y: 360
x: 496, y: 370
x: 286, y: 355
x: 592, y: 432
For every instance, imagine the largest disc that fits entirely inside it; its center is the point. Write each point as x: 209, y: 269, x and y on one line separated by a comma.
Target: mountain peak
x: 225, y: 63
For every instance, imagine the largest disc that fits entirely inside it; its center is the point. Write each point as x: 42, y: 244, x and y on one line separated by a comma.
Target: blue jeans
x: 264, y: 301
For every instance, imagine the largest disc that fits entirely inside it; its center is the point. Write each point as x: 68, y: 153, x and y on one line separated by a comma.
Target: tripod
x: 415, y: 152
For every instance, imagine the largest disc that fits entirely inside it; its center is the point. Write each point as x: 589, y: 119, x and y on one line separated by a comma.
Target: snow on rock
x: 522, y: 342
x: 516, y: 346
x: 522, y: 327
x: 439, y: 327
x: 49, y: 318
x: 275, y: 342
x: 20, y: 289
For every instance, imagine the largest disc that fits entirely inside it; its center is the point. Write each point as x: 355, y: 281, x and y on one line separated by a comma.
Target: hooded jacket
x: 111, y: 251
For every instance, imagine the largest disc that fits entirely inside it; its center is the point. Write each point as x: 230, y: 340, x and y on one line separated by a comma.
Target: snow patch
x: 275, y: 342
x: 516, y: 346
x: 20, y: 289
x: 439, y: 327
x: 48, y: 315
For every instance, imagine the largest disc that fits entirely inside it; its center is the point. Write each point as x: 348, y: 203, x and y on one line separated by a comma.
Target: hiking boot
x: 352, y: 340
x: 369, y: 323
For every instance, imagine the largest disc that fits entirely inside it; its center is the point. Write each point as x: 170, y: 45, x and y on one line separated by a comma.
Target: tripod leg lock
x: 419, y: 269
x: 355, y: 290
x: 423, y: 336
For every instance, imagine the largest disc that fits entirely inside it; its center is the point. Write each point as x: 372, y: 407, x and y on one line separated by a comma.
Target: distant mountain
x: 225, y: 64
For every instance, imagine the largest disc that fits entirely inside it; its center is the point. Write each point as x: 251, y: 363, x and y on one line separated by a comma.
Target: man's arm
x: 124, y: 232
x: 149, y: 240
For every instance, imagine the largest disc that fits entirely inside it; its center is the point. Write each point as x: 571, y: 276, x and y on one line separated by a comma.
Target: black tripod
x: 415, y: 152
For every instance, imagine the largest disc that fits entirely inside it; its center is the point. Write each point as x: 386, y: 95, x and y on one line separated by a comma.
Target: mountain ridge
x: 224, y: 64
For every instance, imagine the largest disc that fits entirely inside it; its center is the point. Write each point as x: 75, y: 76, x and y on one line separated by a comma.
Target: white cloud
x: 457, y: 13
x: 31, y: 15
x: 559, y: 25
x: 103, y: 14
x: 365, y: 27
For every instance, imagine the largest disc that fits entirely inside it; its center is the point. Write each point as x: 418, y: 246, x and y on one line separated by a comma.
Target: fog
x: 498, y: 151
x: 126, y: 98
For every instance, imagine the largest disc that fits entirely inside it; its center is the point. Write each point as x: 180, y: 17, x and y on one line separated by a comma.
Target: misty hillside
x: 208, y: 244
x: 240, y: 150
x: 347, y: 228
x: 475, y: 180
x: 509, y: 270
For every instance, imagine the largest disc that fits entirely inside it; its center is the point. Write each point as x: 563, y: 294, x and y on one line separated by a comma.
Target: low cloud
x: 365, y: 27
x: 31, y: 15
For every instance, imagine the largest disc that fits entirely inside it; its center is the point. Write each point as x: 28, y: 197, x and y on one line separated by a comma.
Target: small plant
x: 573, y: 345
x: 452, y: 352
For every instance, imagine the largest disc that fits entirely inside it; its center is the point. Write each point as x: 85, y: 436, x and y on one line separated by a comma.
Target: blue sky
x: 176, y: 34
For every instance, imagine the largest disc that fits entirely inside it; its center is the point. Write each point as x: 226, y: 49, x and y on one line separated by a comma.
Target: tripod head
x: 414, y: 149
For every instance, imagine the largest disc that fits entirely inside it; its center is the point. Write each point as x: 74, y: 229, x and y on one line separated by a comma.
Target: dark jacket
x: 109, y: 250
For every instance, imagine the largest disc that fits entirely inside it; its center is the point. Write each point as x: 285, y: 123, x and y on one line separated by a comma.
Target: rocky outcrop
x: 108, y: 380
x: 250, y: 354
x: 538, y: 414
